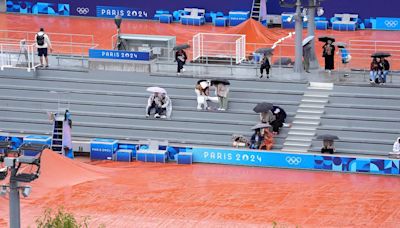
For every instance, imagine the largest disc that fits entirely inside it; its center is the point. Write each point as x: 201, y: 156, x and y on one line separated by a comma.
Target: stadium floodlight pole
x: 298, y: 65
x: 15, y: 212
x: 312, y: 4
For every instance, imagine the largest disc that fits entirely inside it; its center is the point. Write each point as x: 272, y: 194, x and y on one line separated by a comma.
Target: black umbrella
x: 180, y: 47
x: 340, y: 44
x: 265, y: 51
x: 380, y: 55
x: 218, y: 81
x: 326, y: 38
x: 263, y: 107
x: 327, y: 137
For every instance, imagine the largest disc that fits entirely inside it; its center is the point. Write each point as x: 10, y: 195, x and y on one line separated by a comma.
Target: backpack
x: 40, y: 39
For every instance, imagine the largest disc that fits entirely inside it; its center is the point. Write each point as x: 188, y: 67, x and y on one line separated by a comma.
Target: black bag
x: 40, y: 39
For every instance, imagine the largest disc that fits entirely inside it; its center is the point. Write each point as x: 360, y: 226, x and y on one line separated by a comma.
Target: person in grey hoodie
x: 222, y: 92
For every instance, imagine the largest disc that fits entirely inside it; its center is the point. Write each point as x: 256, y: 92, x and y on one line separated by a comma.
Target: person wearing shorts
x: 43, y: 44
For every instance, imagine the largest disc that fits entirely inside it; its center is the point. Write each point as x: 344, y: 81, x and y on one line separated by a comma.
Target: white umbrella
x: 307, y: 40
x: 156, y: 89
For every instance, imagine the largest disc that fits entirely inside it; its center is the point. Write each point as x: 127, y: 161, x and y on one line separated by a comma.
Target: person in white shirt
x: 43, y: 44
x: 396, y: 146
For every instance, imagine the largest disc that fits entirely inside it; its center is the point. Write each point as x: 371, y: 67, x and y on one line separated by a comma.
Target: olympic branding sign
x: 391, y: 23
x: 293, y: 160
x: 82, y: 10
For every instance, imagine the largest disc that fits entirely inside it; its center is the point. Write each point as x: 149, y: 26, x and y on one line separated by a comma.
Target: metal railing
x: 17, y: 56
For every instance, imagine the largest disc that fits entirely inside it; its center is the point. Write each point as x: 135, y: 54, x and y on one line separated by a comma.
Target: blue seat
x: 166, y: 18
x: 221, y: 22
x: 159, y: 13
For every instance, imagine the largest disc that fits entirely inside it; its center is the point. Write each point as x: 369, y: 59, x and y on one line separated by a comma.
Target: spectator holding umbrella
x: 328, y: 143
x: 180, y: 57
x: 386, y: 68
x: 266, y: 115
x: 258, y: 137
x: 328, y: 52
x: 158, y: 101
x: 265, y: 63
x: 307, y: 52
x: 381, y: 67
x: 222, y: 91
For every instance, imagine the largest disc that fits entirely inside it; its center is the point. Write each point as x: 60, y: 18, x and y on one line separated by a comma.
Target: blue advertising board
x: 103, y: 149
x: 128, y: 9
x: 297, y: 161
x: 387, y: 23
x: 119, y: 55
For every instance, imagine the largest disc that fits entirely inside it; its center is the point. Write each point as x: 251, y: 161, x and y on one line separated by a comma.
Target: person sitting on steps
x: 265, y: 65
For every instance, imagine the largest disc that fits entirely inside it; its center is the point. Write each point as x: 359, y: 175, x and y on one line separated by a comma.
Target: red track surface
x: 104, y: 29
x: 168, y: 195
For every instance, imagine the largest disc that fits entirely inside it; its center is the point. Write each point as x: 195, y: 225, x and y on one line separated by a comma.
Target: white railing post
x: 2, y: 57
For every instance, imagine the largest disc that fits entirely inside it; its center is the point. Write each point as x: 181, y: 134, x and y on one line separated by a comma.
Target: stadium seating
x: 113, y: 107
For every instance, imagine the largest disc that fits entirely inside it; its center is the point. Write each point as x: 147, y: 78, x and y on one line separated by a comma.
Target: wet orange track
x: 149, y: 195
x: 104, y: 29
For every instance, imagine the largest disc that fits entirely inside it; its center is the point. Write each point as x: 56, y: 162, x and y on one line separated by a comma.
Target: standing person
x: 265, y: 65
x: 43, y: 44
x: 180, y: 58
x: 306, y: 57
x: 222, y: 92
x: 385, y: 70
x: 328, y: 52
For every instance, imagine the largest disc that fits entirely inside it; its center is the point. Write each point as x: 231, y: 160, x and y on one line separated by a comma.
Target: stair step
x: 295, y: 138
x: 297, y: 144
x: 304, y: 127
x: 321, y: 85
x: 316, y: 94
x: 306, y: 116
x: 311, y: 111
x: 294, y: 149
x: 302, y: 132
x: 305, y: 122
x: 312, y: 105
x: 311, y: 100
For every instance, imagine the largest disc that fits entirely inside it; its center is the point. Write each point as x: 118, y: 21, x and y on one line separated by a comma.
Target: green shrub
x: 60, y: 219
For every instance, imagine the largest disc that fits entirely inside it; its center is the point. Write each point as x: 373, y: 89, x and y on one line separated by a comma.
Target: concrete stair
x: 307, y: 118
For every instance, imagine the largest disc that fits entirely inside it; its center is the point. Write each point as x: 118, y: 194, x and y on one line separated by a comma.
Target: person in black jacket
x: 385, y: 70
x: 265, y: 65
x: 280, y: 116
x: 329, y: 55
x: 180, y: 58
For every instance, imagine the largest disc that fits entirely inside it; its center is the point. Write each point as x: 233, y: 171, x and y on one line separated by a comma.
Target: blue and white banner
x: 252, y: 158
x: 124, y: 12
x: 121, y: 55
x: 387, y: 23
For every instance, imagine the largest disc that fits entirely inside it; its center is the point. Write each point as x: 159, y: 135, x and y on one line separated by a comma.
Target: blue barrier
x: 37, y: 139
x: 237, y: 17
x: 296, y: 161
x: 103, y: 149
x: 121, y: 55
x: 387, y: 23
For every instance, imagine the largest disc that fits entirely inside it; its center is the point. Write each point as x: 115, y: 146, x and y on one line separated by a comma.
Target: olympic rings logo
x: 82, y: 10
x: 391, y: 23
x: 293, y: 160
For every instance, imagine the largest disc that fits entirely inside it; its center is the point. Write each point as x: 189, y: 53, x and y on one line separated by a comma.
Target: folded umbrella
x: 180, y: 47
x: 260, y: 126
x: 326, y: 38
x: 380, y: 54
x: 218, y: 81
x: 307, y: 40
x: 156, y: 89
x: 327, y: 137
x: 263, y: 107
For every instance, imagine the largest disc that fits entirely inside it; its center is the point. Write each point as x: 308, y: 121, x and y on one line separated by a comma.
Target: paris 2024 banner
x: 133, y: 9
